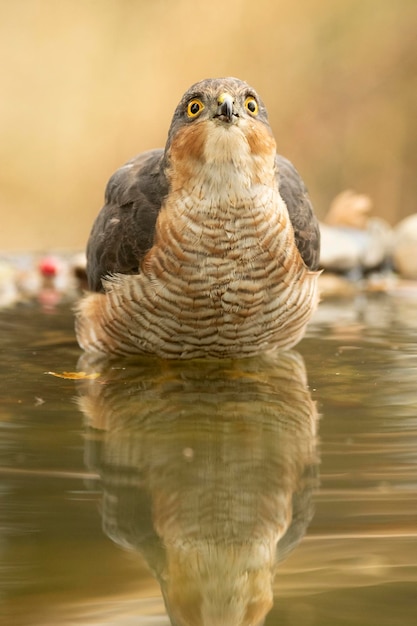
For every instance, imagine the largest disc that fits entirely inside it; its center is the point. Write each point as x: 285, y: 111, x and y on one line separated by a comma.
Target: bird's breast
x: 221, y: 280
x: 198, y: 239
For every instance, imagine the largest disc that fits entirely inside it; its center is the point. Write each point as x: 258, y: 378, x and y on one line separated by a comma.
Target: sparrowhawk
x: 207, y: 248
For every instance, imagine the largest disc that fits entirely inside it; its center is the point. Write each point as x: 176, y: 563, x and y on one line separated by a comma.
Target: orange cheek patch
x: 187, y: 148
x: 189, y: 142
x: 260, y: 140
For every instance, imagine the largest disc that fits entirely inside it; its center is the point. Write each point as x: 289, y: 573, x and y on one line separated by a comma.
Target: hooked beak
x: 225, y: 108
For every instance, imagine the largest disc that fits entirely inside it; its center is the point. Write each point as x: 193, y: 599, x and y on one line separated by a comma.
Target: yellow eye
x: 194, y: 108
x: 251, y: 105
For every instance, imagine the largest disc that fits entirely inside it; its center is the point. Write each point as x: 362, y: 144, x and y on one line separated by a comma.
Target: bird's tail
x: 90, y: 323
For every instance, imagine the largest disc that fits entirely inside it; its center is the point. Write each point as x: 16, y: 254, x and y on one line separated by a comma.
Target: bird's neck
x: 222, y: 190
x: 223, y: 214
x: 222, y: 167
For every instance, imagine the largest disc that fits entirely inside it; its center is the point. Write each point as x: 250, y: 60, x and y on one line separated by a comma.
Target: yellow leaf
x: 75, y: 375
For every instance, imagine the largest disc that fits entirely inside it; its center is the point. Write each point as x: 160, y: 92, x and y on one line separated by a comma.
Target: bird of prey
x: 207, y: 248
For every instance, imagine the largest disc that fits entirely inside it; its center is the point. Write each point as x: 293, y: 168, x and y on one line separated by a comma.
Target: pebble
x: 48, y: 278
x: 351, y: 241
x: 404, y: 247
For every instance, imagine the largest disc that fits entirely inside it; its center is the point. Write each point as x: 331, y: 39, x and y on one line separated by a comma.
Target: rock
x: 335, y: 286
x: 78, y: 265
x: 351, y: 241
x: 349, y: 209
x: 48, y: 278
x: 404, y: 247
x: 8, y: 289
x: 346, y: 249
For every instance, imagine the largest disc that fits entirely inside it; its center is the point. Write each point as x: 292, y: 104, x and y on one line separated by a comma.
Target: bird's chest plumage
x: 219, y: 250
x: 223, y: 278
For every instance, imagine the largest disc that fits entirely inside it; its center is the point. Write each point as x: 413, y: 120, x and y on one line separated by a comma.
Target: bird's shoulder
x: 300, y: 210
x: 124, y: 229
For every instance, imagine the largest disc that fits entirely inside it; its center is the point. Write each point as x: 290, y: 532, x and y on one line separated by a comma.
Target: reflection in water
x: 208, y: 470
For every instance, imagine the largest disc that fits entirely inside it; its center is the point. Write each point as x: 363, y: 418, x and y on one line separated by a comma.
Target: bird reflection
x: 208, y: 470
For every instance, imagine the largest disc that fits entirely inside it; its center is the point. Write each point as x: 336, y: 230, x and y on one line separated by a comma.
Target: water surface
x: 281, y: 488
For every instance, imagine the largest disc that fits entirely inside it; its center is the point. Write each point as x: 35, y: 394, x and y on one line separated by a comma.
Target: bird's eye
x: 194, y: 108
x: 251, y: 105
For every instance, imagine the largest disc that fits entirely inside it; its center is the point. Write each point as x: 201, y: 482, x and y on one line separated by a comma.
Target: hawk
x: 207, y: 248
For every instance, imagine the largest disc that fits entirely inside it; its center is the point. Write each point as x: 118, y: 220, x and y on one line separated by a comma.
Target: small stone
x: 350, y: 239
x: 345, y: 248
x: 404, y: 247
x: 349, y: 209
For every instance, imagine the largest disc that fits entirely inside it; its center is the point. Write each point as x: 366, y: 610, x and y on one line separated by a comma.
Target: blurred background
x: 86, y: 84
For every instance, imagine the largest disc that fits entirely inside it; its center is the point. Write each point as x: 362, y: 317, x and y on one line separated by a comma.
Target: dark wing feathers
x: 123, y: 230
x: 303, y: 220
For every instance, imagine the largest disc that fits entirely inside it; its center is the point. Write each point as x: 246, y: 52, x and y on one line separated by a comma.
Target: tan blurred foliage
x: 85, y: 84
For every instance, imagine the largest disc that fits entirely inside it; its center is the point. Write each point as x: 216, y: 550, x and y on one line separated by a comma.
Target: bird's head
x: 221, y: 122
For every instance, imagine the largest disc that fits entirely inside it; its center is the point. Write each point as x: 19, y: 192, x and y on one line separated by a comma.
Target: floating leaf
x: 75, y: 375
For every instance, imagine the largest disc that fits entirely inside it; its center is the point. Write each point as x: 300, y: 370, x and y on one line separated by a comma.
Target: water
x: 280, y: 488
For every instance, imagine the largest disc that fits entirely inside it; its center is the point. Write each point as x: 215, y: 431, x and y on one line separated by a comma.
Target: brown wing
x: 304, y: 222
x: 124, y: 229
